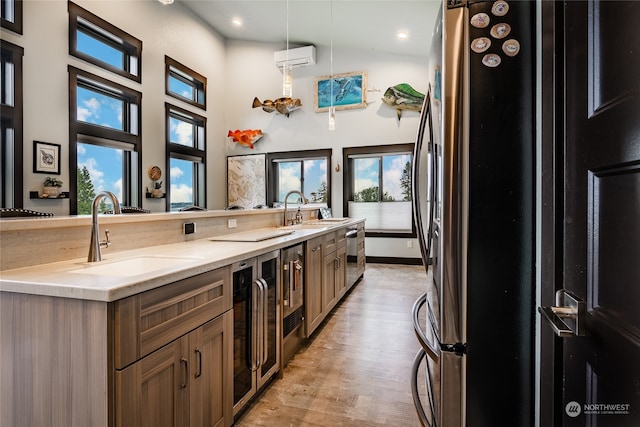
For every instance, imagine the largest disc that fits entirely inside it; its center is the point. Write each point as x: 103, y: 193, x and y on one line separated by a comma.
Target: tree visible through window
x: 104, y: 139
x: 378, y: 187
x: 304, y: 171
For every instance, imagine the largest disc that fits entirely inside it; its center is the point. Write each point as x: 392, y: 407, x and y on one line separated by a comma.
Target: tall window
x: 186, y: 148
x: 100, y: 43
x: 185, y: 84
x: 105, y: 141
x: 377, y: 187
x: 11, y: 105
x: 304, y: 171
x: 11, y: 15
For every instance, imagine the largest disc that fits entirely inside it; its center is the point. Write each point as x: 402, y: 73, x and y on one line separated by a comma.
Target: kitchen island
x: 123, y: 341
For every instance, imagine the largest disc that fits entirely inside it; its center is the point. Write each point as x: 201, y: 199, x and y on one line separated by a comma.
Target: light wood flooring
x: 356, y: 370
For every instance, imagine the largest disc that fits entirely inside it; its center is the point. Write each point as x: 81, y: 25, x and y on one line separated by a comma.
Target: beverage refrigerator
x: 474, y: 200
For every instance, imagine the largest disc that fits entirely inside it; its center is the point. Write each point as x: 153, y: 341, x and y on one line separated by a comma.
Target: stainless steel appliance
x: 293, y: 332
x: 473, y: 194
x: 256, y: 331
x: 352, y: 255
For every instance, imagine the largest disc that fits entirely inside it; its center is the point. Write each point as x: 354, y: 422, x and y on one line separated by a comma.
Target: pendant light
x: 332, y: 111
x: 287, y: 78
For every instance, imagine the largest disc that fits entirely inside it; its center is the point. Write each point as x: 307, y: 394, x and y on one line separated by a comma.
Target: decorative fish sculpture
x: 403, y: 97
x: 282, y: 106
x: 247, y: 137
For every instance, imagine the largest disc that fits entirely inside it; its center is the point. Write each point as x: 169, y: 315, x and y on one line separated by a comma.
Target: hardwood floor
x: 355, y: 371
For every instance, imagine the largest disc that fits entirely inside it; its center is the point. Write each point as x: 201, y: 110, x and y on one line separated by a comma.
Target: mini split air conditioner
x: 298, y: 57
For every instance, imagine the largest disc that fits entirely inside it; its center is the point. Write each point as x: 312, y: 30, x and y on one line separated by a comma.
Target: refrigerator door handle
x: 432, y: 352
x: 568, y: 306
x: 425, y: 125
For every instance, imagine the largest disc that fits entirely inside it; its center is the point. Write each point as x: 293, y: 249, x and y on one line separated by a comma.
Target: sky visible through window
x: 367, y: 172
x: 315, y: 173
x: 104, y: 163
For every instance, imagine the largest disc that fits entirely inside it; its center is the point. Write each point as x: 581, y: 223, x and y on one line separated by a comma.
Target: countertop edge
x: 201, y: 256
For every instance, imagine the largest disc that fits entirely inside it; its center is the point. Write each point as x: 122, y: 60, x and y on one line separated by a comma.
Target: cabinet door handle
x: 185, y: 363
x: 317, y: 248
x: 199, y: 354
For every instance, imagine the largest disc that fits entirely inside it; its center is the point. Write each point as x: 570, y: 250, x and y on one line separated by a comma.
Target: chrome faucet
x: 95, y: 252
x: 298, y: 218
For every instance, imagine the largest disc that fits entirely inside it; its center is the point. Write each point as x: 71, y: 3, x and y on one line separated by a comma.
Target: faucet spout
x: 304, y: 201
x: 95, y: 246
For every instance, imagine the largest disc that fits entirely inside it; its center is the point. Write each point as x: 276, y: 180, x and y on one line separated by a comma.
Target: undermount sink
x: 131, y: 266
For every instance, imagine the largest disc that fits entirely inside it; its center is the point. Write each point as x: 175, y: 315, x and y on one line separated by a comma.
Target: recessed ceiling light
x: 402, y: 35
x: 237, y: 22
x: 166, y: 1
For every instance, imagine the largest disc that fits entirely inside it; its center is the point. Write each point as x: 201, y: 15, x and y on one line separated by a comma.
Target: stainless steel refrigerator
x: 473, y: 193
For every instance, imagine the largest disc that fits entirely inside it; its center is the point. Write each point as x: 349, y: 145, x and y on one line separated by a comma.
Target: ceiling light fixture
x: 403, y: 35
x: 166, y: 1
x: 287, y: 78
x: 332, y: 111
x: 237, y: 22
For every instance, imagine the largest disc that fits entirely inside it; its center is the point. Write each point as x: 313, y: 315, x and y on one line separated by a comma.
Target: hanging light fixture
x: 332, y: 110
x: 287, y: 78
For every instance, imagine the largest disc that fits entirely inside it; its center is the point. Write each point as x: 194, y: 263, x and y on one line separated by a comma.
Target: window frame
x: 16, y: 24
x: 107, y: 137
x: 12, y: 118
x: 348, y: 181
x: 291, y: 156
x: 199, y: 83
x: 109, y: 34
x: 197, y: 153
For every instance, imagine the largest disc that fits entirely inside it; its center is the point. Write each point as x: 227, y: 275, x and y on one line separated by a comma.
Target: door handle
x: 568, y: 308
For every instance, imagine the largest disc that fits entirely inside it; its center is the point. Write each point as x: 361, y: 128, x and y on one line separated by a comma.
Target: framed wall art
x: 348, y: 91
x: 246, y: 180
x: 46, y: 158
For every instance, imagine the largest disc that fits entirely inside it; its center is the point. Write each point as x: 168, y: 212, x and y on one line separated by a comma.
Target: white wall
x: 236, y: 72
x: 173, y: 31
x: 251, y: 72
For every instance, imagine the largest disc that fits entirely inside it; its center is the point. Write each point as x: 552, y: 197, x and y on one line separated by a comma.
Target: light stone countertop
x: 127, y: 273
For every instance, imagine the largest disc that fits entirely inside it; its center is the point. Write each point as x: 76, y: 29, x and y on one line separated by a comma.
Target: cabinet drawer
x: 341, y: 237
x: 330, y: 243
x: 147, y: 321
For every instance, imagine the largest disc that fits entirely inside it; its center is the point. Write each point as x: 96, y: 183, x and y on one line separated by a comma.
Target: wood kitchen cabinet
x: 325, y: 280
x: 334, y: 271
x: 314, y: 264
x: 161, y: 357
x: 361, y: 257
x: 180, y: 376
x: 180, y: 384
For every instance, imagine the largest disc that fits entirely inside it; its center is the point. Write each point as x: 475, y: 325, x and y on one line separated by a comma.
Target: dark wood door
x: 599, y: 217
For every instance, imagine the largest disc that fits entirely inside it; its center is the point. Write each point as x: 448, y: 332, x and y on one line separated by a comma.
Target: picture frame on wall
x: 348, y: 91
x: 46, y: 158
x: 246, y: 181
